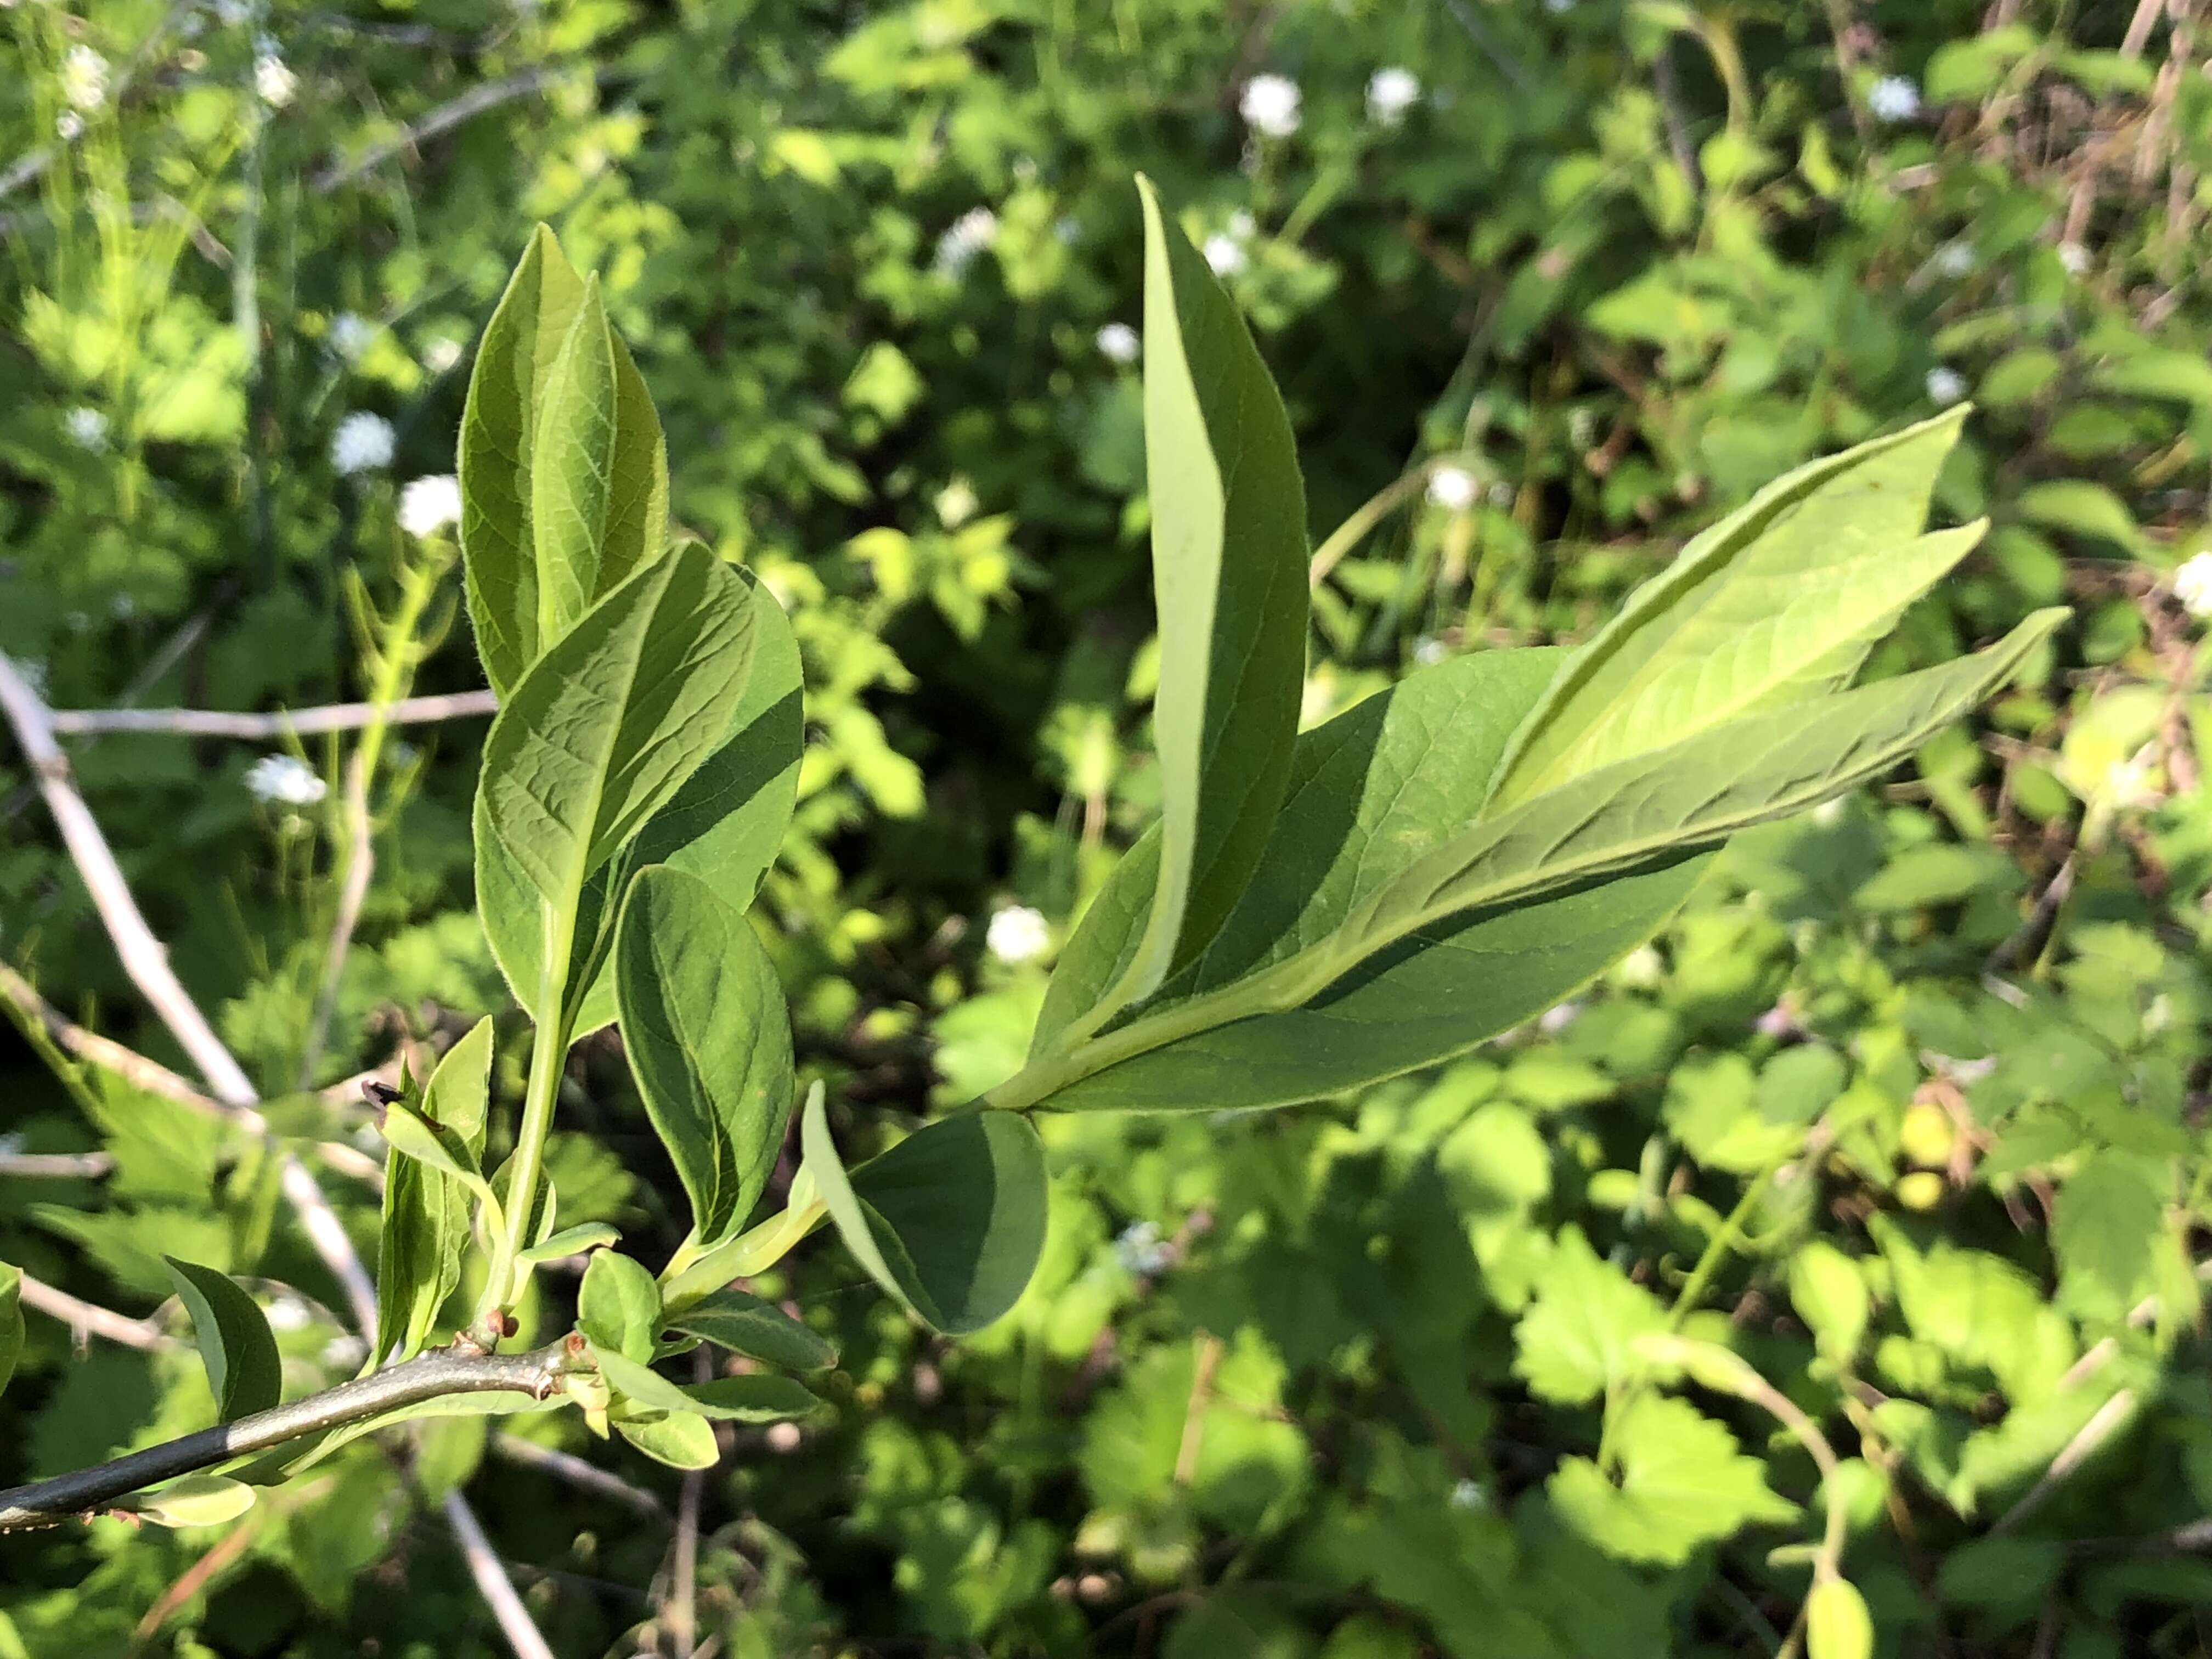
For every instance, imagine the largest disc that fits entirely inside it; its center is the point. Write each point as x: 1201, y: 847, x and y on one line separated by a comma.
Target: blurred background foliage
x: 1907, y: 1109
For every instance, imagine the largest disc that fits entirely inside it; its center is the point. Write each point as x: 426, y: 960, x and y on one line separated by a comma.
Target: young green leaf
x: 618, y: 1307
x: 600, y: 734
x: 197, y: 1500
x: 428, y: 1213
x: 1777, y: 602
x: 1688, y: 795
x: 1229, y: 574
x: 725, y: 826
x: 235, y: 1343
x: 11, y: 1320
x: 499, y: 428
x: 951, y: 1220
x: 682, y: 1440
x: 709, y: 1042
x: 755, y: 1399
x: 1682, y: 1482
x: 598, y: 481
x: 759, y: 1330
x: 584, y: 1237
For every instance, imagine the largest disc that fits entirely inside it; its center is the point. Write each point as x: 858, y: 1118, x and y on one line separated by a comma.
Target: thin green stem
x: 1717, y: 1248
x: 549, y: 1054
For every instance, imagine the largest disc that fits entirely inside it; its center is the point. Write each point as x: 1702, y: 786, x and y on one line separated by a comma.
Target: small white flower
x: 783, y: 1437
x: 288, y: 1313
x: 1067, y: 230
x: 87, y: 428
x: 1469, y: 1495
x: 342, y: 1353
x: 1642, y: 968
x: 1226, y: 254
x: 361, y: 443
x: 1140, y: 1251
x: 428, y: 505
x: 1955, y: 258
x: 956, y: 504
x: 69, y: 126
x: 1556, y: 1018
x: 1453, y: 489
x: 2073, y: 257
x: 1946, y: 385
x: 350, y: 335
x: 84, y: 79
x: 440, y: 356
x: 274, y: 80
x: 1778, y: 1022
x: 2128, y: 782
x: 1894, y: 98
x: 1501, y: 494
x: 1018, y: 934
x: 1270, y: 105
x: 2193, y: 585
x: 970, y: 235
x: 1428, y: 652
x: 285, y: 778
x: 13, y: 1142
x: 1390, y: 93
x: 1118, y: 343
x: 2159, y: 1015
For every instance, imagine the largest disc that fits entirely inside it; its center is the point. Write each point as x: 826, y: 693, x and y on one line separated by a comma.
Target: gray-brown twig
x: 295, y: 723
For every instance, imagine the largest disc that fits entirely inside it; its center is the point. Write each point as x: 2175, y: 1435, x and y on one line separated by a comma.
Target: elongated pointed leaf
x: 604, y: 729
x: 951, y: 1220
x: 759, y: 1330
x: 1370, y: 792
x: 682, y: 1440
x: 497, y: 450
x: 755, y: 1399
x: 709, y: 1042
x: 598, y: 481
x: 427, y: 1214
x: 725, y: 825
x: 235, y: 1343
x: 584, y: 1237
x: 11, y: 1320
x: 1692, y: 795
x: 197, y: 1500
x: 1777, y: 602
x: 1229, y: 562
x: 618, y: 1307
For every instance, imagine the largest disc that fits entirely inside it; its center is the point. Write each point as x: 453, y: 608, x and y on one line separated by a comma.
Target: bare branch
x: 87, y: 1319
x: 57, y: 1166
x: 300, y: 722
x: 444, y: 118
x: 514, y: 1620
x: 432, y: 1377
x: 577, y: 1472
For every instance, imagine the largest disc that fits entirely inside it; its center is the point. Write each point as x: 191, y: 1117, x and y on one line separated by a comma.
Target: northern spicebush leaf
x: 235, y: 1343
x: 618, y: 1307
x: 1777, y: 602
x: 759, y: 1330
x: 11, y: 1320
x: 497, y: 450
x: 951, y: 1220
x: 1229, y: 575
x: 427, y: 1214
x: 708, y: 1037
x: 197, y: 1500
x: 682, y: 1440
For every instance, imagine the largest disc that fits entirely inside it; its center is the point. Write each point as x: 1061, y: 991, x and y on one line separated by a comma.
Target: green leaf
x: 1229, y: 574
x: 598, y: 481
x: 1371, y: 792
x: 755, y: 1398
x: 428, y: 1213
x: 950, y: 1221
x: 2086, y: 509
x: 235, y: 1343
x: 11, y: 1320
x: 585, y: 1236
x: 682, y: 1440
x: 725, y: 825
x: 760, y: 1330
x: 1579, y: 1337
x: 600, y: 734
x: 497, y: 452
x: 1836, y: 1623
x: 1830, y: 1295
x: 197, y: 1500
x: 2111, y: 1214
x: 618, y: 1307
x: 708, y: 1038
x: 1777, y: 602
x: 1691, y: 794
x: 1682, y: 1483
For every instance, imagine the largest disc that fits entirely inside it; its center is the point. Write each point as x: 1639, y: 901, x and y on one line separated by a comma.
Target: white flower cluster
x: 1894, y: 98
x: 2193, y: 585
x: 2073, y: 257
x: 1946, y: 385
x: 1118, y: 343
x: 1955, y: 259
x: 84, y: 79
x: 1018, y: 934
x: 362, y: 443
x: 1142, y: 1252
x: 428, y: 505
x: 350, y: 335
x: 1270, y: 105
x: 1453, y: 489
x: 284, y: 780
x: 1225, y: 250
x: 274, y: 81
x: 87, y: 428
x: 1390, y: 93
x: 971, y: 234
